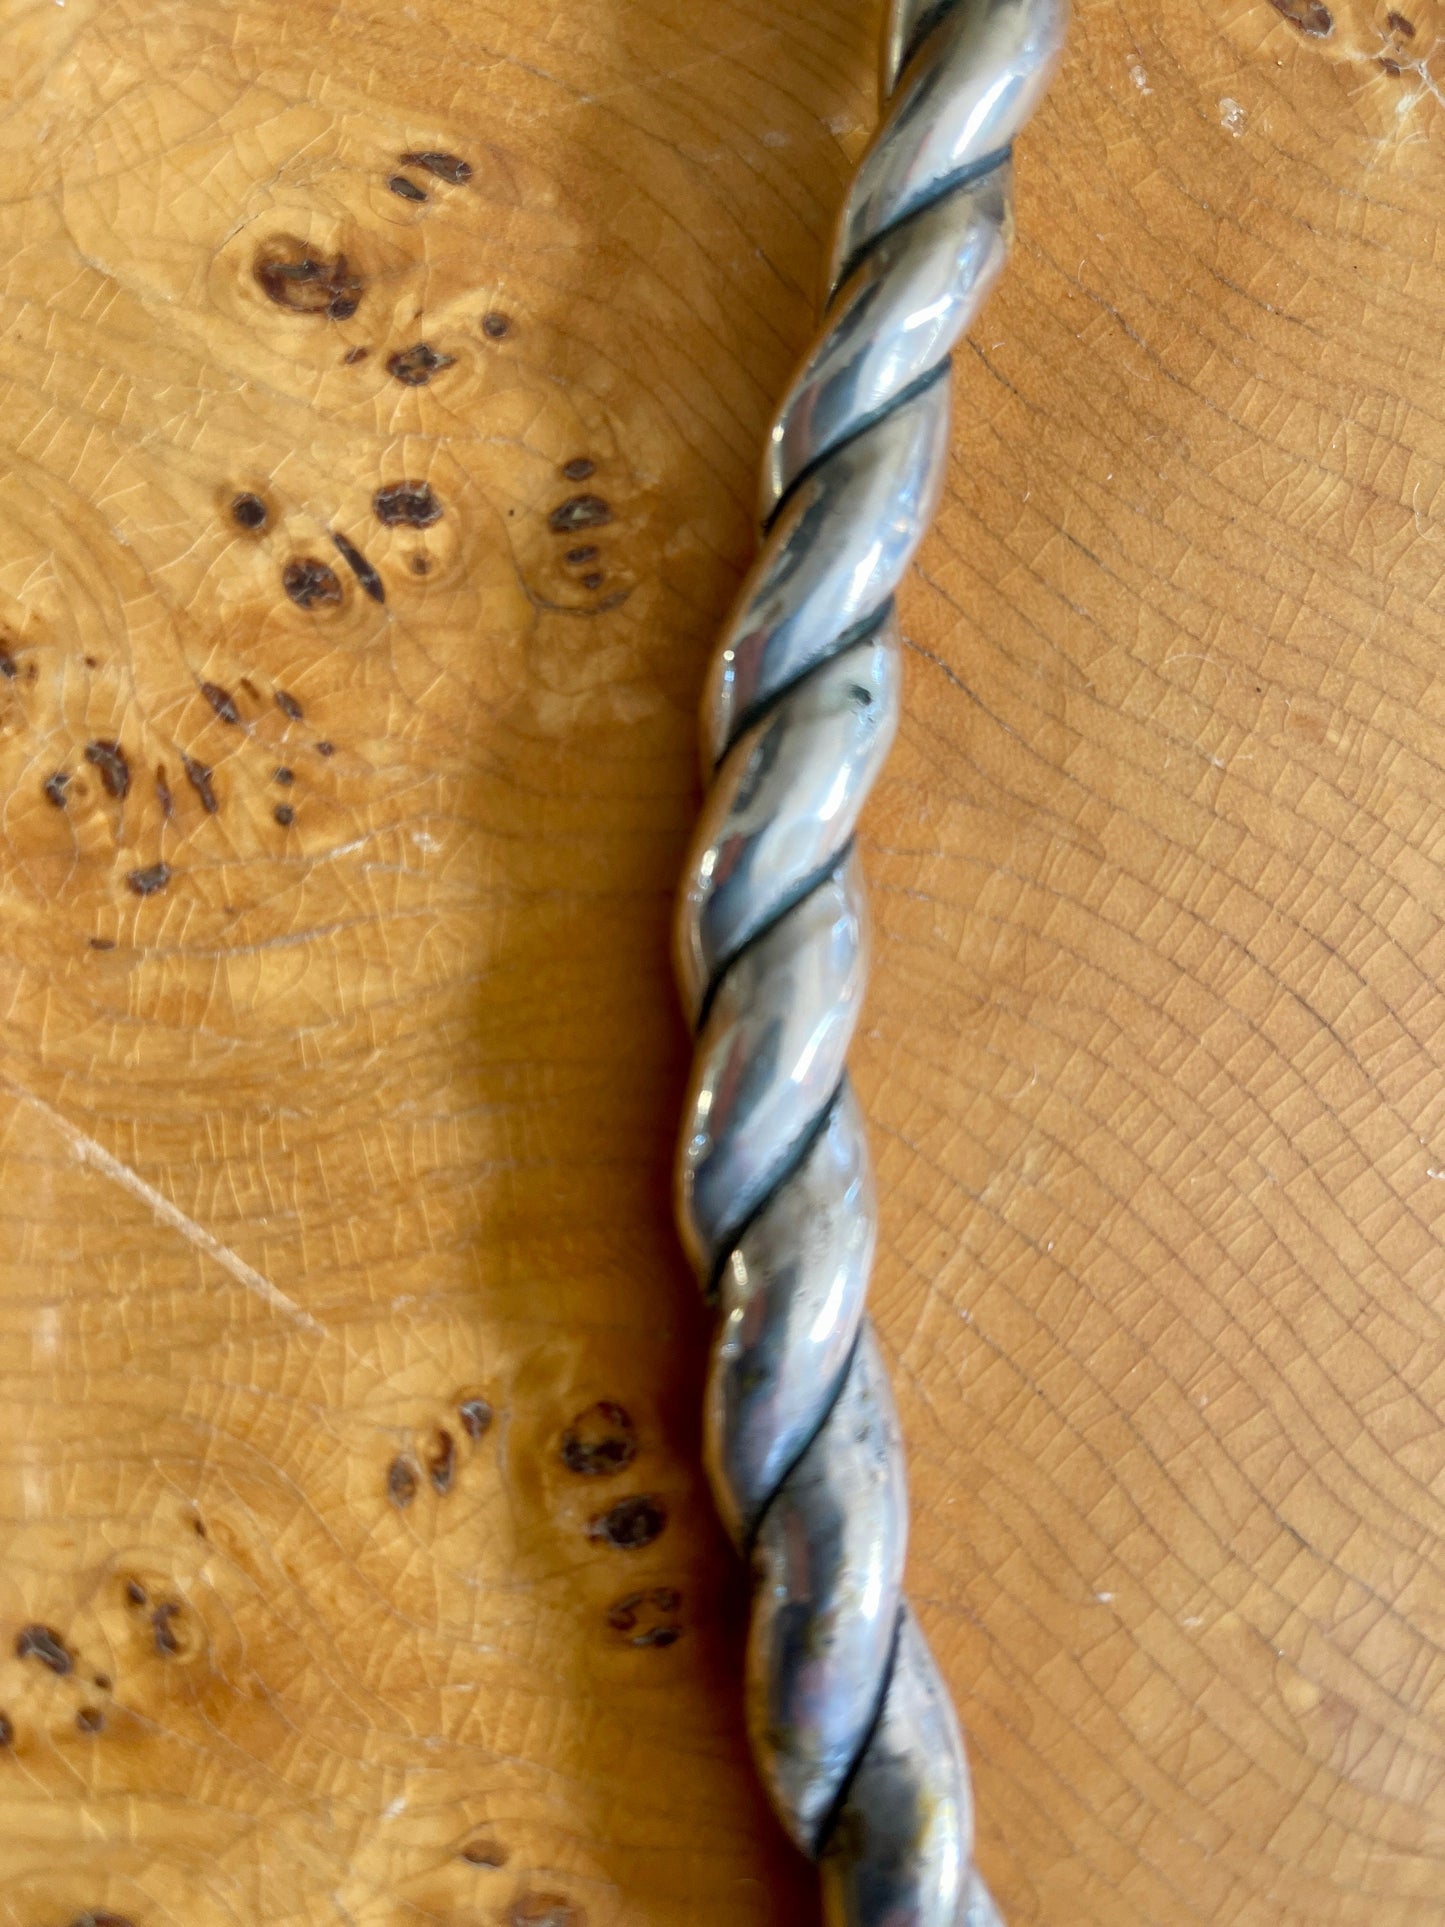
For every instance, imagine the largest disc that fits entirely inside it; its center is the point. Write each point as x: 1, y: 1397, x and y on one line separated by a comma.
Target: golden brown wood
x: 348, y: 1470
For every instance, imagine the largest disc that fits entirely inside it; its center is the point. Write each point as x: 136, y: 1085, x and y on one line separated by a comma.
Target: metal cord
x: 850, y: 1722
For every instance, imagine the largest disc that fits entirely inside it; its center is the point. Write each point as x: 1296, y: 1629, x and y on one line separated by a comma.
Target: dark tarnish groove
x: 840, y: 1799
x: 810, y: 1438
x: 730, y: 1240
x: 963, y: 177
x: 791, y: 901
x: 850, y: 638
x: 939, y: 372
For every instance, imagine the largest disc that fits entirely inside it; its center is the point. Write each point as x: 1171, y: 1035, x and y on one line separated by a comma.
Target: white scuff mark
x: 424, y: 840
x: 34, y: 1483
x: 47, y: 1331
x: 1104, y: 1598
x: 775, y: 137
x: 88, y: 1152
x: 1231, y: 116
x: 1140, y: 78
x: 398, y: 1805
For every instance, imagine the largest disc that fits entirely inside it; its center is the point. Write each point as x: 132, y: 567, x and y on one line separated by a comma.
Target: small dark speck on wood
x: 289, y: 706
x: 476, y: 1417
x: 622, y: 1615
x: 248, y: 512
x: 416, y: 365
x: 101, y: 1920
x: 326, y: 749
x: 353, y: 355
x: 579, y: 512
x: 163, y: 793
x: 199, y: 778
x: 411, y: 505
x: 310, y: 584
x: 441, y: 1464
x: 1400, y: 24
x: 495, y: 326
x: 630, y: 1524
x: 657, y: 1636
x: 408, y: 190
x: 543, y: 1910
x: 147, y: 882
x: 578, y: 469
x: 1308, y: 15
x: 90, y: 1719
x: 484, y: 1853
x: 401, y: 1482
x: 55, y: 787
x: 7, y: 1731
x: 284, y: 815
x: 109, y: 759
x: 102, y: 943
x: 135, y: 1592
x: 365, y: 574
x: 446, y: 167
x: 599, y: 1441
x: 584, y: 552
x: 222, y: 701
x: 46, y: 1645
x: 9, y: 668
x: 283, y: 776
x: 167, y: 1645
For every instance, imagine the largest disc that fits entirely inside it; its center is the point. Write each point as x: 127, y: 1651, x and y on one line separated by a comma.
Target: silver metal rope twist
x: 850, y: 1722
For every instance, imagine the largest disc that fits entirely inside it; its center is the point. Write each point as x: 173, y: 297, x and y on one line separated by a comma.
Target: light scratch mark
x: 88, y: 1152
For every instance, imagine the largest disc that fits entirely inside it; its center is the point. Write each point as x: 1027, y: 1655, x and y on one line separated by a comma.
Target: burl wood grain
x: 380, y: 394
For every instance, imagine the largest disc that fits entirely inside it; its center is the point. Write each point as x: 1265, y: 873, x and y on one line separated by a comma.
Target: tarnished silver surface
x: 790, y: 1304
x: 828, y: 1583
x: 850, y: 1722
x: 901, y: 1846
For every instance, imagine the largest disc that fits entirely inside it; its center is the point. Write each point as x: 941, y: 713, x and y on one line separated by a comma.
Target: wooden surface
x: 355, y: 1563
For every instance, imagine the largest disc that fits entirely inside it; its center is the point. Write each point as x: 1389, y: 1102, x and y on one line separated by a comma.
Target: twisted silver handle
x: 850, y: 1723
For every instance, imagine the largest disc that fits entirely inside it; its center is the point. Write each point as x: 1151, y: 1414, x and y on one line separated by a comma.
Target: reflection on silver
x: 850, y: 1722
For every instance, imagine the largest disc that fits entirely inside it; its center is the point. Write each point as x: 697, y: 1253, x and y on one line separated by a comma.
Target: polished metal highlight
x: 850, y: 1723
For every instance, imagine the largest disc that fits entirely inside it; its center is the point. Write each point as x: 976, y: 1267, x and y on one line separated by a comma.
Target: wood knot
x: 599, y: 1441
x: 630, y: 1524
x: 305, y: 280
x: 46, y: 1645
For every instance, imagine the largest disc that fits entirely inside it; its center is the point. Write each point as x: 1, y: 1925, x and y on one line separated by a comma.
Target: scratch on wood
x: 88, y: 1152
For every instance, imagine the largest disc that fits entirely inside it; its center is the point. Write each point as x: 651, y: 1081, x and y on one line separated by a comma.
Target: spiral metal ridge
x: 850, y: 1722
